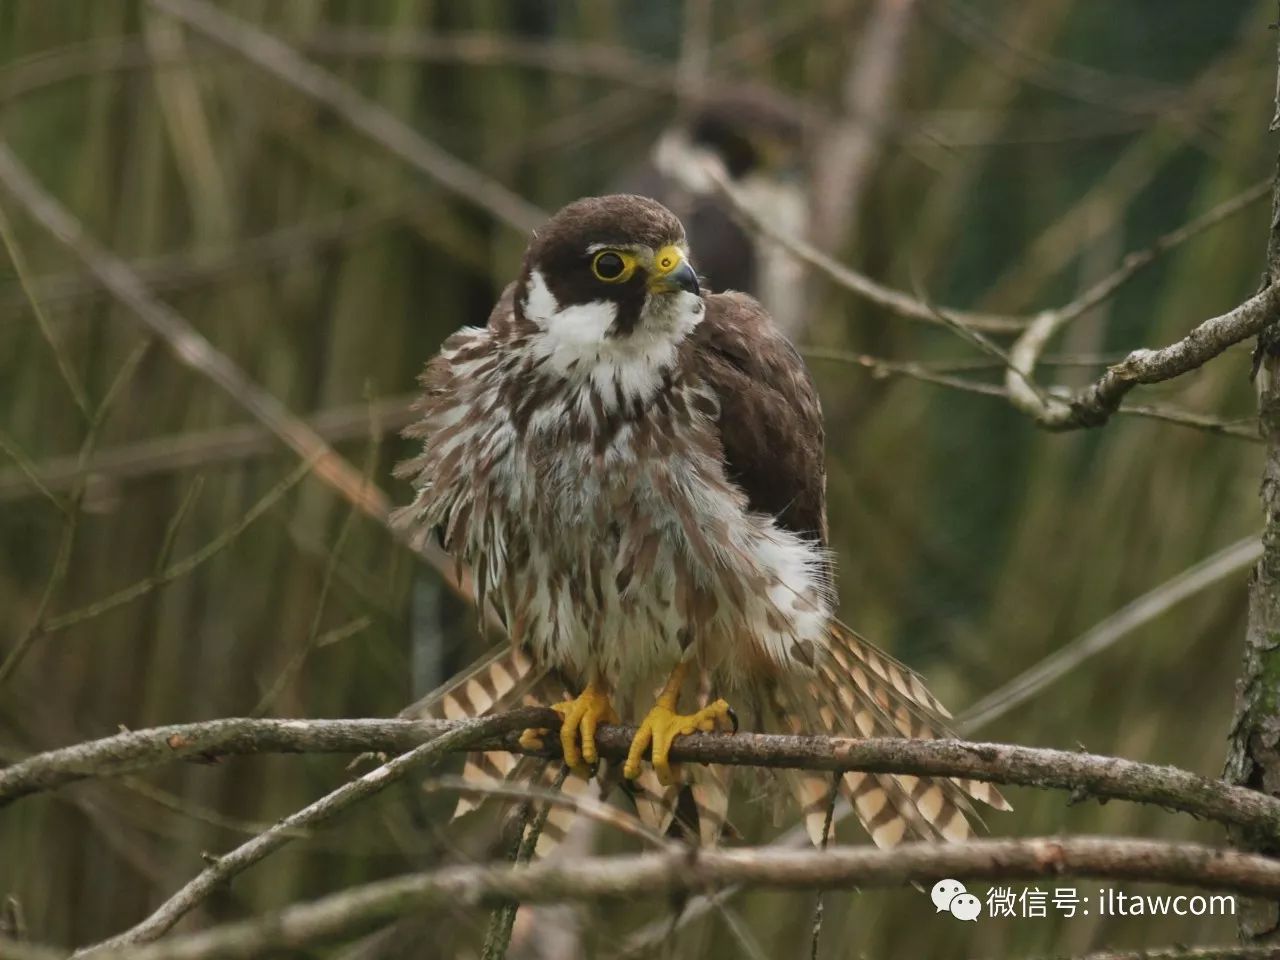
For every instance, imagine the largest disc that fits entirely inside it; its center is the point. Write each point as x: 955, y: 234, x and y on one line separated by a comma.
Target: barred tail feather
x: 862, y: 691
x: 503, y: 680
x: 495, y: 682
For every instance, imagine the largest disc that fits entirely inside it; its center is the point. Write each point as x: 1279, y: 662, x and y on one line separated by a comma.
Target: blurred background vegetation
x: 1017, y: 152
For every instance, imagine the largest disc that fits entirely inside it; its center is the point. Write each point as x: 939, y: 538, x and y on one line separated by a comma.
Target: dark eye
x: 608, y: 265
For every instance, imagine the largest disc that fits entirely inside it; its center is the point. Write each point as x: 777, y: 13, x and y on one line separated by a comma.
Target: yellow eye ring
x: 613, y: 266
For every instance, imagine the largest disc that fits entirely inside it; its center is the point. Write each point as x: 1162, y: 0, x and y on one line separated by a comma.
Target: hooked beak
x: 671, y: 272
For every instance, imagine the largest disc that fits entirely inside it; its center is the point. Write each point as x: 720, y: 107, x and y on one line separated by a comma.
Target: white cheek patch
x: 539, y: 303
x: 572, y: 337
x: 577, y: 342
x: 583, y: 324
x: 580, y: 325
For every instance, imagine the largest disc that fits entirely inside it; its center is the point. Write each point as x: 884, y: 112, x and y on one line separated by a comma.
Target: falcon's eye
x: 611, y: 266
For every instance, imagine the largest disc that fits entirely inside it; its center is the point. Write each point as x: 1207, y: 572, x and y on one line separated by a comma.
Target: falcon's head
x: 608, y: 277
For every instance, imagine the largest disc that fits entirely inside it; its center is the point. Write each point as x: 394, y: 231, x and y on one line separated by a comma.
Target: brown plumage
x: 634, y: 471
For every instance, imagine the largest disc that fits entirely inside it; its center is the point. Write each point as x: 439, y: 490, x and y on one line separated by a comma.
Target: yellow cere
x: 667, y: 259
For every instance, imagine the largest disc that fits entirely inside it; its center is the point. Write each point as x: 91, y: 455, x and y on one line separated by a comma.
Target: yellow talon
x: 662, y: 725
x: 580, y: 716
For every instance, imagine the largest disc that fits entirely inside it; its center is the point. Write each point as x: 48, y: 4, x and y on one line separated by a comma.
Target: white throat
x: 577, y: 343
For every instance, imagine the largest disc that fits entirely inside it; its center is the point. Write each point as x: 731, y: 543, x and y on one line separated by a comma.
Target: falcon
x: 633, y: 469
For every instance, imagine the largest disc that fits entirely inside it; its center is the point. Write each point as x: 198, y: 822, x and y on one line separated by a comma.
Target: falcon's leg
x: 580, y: 717
x: 662, y: 725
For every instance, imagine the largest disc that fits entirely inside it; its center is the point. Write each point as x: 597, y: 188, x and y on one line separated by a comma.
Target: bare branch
x: 936, y: 374
x: 185, y: 450
x: 1090, y: 406
x: 69, y: 376
x: 1228, y: 562
x: 462, y: 735
x: 195, y: 351
x: 369, y: 117
x: 1138, y: 260
x: 669, y: 874
x: 1082, y: 773
x: 582, y: 805
x: 850, y: 147
x: 895, y: 301
x: 178, y: 569
x: 1232, y: 952
x: 1093, y: 405
x: 1252, y: 759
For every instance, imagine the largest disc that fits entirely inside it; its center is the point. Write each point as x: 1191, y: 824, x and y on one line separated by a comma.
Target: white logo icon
x: 950, y: 895
x: 965, y: 906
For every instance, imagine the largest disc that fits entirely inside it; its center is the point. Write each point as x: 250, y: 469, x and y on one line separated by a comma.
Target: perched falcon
x: 633, y: 469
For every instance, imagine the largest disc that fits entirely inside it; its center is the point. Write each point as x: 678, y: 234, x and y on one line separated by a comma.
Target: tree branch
x: 462, y: 735
x: 195, y: 351
x: 1093, y: 405
x: 895, y: 301
x: 369, y: 117
x: 1232, y: 952
x: 680, y: 872
x: 181, y: 451
x: 1230, y: 561
x: 1089, y: 406
x: 928, y: 373
x: 1084, y: 774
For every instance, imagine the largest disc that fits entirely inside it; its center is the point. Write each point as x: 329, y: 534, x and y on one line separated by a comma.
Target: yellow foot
x: 580, y: 717
x: 662, y: 725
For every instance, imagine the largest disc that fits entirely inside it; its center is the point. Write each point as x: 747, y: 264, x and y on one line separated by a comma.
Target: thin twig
x: 582, y: 805
x: 182, y: 567
x: 933, y: 374
x: 1231, y: 561
x: 190, y: 269
x: 194, y: 350
x: 502, y: 920
x: 1226, y: 952
x: 1138, y: 260
x: 69, y: 377
x: 183, y: 451
x: 816, y: 927
x: 1088, y: 407
x: 28, y: 472
x: 850, y: 145
x: 171, y: 528
x: 312, y: 642
x: 187, y: 343
x: 666, y: 874
x: 71, y: 517
x: 369, y: 117
x: 463, y: 734
x: 895, y: 301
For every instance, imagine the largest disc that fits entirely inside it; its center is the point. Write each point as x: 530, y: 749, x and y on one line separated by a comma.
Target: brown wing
x: 770, y: 416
